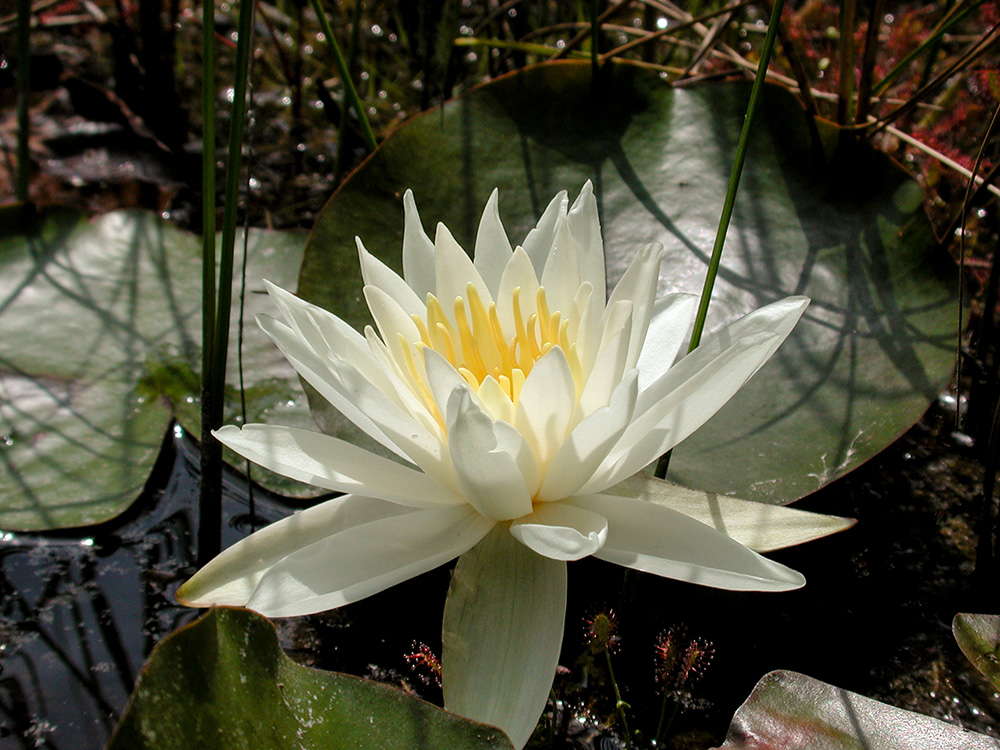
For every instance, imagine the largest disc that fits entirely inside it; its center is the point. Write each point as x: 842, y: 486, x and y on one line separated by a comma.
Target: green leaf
x: 790, y: 711
x: 979, y: 638
x: 223, y: 682
x: 819, y: 213
x: 99, y: 344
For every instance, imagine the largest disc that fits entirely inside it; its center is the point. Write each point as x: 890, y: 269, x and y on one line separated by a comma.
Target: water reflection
x: 81, y: 610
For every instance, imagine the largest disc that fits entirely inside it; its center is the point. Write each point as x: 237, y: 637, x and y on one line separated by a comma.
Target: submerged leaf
x: 223, y: 682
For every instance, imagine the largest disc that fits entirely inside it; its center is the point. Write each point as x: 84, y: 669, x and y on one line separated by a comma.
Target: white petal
x: 668, y: 327
x: 502, y: 632
x: 561, y: 275
x: 518, y: 273
x: 392, y: 320
x: 546, y: 404
x: 606, y: 374
x: 759, y: 526
x: 455, y: 271
x: 685, y: 408
x: 638, y: 285
x: 418, y: 251
x: 539, y: 241
x: 588, y: 444
x: 490, y: 459
x: 662, y: 541
x: 492, y: 246
x: 376, y: 273
x: 561, y: 532
x: 335, y: 337
x: 333, y: 464
x: 363, y: 403
x: 778, y: 318
x: 230, y: 578
x: 585, y: 225
x: 363, y: 560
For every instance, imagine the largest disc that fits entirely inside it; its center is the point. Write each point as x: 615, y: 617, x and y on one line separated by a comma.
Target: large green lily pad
x: 819, y: 213
x: 790, y: 711
x: 100, y: 341
x: 223, y: 682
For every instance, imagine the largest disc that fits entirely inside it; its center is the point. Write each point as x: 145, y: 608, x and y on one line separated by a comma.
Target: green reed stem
x: 210, y: 523
x: 730, y: 201
x: 209, y: 486
x: 620, y: 705
x: 595, y: 35
x: 345, y: 75
x: 352, y: 59
x: 734, y: 176
x: 23, y: 88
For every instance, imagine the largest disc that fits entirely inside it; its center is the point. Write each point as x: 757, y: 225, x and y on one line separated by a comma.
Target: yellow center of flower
x: 476, y: 345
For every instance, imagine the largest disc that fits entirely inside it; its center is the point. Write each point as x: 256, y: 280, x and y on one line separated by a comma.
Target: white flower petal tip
x: 561, y: 532
x: 759, y: 526
x: 656, y: 539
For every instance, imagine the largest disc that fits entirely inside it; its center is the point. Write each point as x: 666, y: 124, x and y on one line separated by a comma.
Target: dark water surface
x: 81, y: 610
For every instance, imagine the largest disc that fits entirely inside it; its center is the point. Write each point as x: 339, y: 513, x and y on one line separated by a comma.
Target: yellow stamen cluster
x: 477, y: 347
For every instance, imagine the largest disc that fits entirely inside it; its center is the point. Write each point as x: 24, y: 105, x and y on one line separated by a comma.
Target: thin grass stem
x: 209, y: 490
x: 345, y: 75
x: 730, y: 200
x: 210, y: 522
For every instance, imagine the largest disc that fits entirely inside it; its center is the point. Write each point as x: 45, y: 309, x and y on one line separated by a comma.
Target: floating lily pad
x: 224, y: 682
x: 789, y: 711
x: 100, y: 344
x: 819, y: 213
x: 979, y: 638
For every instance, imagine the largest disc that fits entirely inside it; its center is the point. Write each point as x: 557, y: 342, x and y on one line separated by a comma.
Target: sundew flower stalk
x: 521, y: 401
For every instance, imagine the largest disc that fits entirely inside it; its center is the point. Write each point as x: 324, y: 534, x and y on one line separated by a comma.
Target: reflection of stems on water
x: 620, y: 705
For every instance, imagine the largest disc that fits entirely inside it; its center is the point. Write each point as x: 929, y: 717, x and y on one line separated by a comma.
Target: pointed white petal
x: 490, y: 460
x: 230, y: 578
x: 588, y: 444
x: 761, y: 527
x: 492, y: 246
x: 363, y: 403
x: 546, y: 404
x: 455, y: 270
x: 391, y: 319
x: 418, y: 251
x: 495, y: 401
x: 668, y: 327
x: 585, y: 225
x: 333, y: 464
x: 684, y: 409
x: 518, y: 273
x: 658, y: 540
x: 363, y: 560
x: 561, y: 275
x: 502, y: 632
x: 561, y: 532
x: 539, y: 241
x: 638, y: 285
x: 777, y: 318
x: 329, y: 336
x: 376, y: 273
x: 607, y: 373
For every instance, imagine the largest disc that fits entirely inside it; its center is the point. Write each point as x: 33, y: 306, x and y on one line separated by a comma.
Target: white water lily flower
x: 522, y: 403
